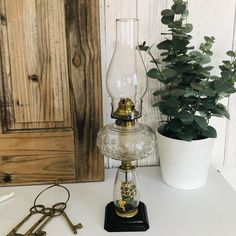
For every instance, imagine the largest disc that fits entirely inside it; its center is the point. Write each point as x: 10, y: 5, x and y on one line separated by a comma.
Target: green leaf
x: 186, y: 136
x: 208, y: 52
x: 195, y: 54
x: 209, y: 92
x: 204, y: 59
x: 201, y: 122
x: 165, y: 45
x: 177, y: 92
x: 197, y: 86
x: 175, y: 125
x: 176, y: 24
x: 166, y: 20
x: 210, y: 132
x: 143, y: 47
x: 208, y: 68
x: 179, y: 43
x: 154, y: 74
x: 220, y: 110
x: 186, y: 117
x: 209, y: 39
x: 207, y: 103
x: 167, y: 12
x: 184, y: 68
x: 179, y: 8
x: 222, y: 85
x: 204, y: 72
x: 168, y: 73
x: 186, y: 13
x: 190, y: 93
x: 226, y: 74
x: 188, y: 28
x: 234, y: 76
x: 231, y: 53
x: 160, y: 92
x: 184, y: 58
x: 227, y: 64
x: 178, y: 1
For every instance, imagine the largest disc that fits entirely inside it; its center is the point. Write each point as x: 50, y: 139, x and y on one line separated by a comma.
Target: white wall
x: 209, y: 17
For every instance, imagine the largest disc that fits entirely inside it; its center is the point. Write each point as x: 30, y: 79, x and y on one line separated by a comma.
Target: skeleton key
x: 15, y: 234
x: 46, y: 214
x: 72, y: 226
x: 33, y: 210
x: 55, y: 211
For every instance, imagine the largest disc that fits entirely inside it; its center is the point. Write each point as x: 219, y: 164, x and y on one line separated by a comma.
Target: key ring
x: 58, y: 208
x: 37, y: 209
x: 63, y: 204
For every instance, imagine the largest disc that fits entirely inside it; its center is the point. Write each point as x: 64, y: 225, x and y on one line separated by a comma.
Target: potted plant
x: 190, y: 97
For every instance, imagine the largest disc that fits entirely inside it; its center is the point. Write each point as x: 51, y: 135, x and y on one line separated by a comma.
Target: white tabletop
x: 209, y: 211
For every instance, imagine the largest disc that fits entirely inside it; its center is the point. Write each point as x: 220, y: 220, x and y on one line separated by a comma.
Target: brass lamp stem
x: 125, y: 123
x: 126, y: 165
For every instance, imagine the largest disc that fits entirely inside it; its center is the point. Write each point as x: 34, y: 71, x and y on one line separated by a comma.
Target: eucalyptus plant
x: 191, y: 94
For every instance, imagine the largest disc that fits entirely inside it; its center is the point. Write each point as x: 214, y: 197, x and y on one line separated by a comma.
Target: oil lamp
x: 126, y: 139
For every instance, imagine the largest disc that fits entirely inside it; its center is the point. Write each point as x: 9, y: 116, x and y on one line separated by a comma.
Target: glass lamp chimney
x: 126, y: 77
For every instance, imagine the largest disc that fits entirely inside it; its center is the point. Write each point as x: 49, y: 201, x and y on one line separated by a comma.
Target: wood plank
x: 83, y: 49
x: 42, y: 157
x: 38, y: 81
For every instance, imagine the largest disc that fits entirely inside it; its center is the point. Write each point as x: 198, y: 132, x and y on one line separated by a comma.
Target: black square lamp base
x: 115, y: 223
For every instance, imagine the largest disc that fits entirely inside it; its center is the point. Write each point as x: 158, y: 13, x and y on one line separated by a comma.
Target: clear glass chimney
x: 126, y: 77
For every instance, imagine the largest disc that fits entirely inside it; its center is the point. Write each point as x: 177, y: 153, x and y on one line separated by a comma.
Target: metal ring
x: 37, y: 209
x: 48, y: 211
x: 54, y: 185
x: 58, y: 208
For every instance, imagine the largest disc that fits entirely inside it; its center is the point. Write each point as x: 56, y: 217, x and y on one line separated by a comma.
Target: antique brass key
x: 46, y: 214
x: 55, y: 211
x: 33, y: 210
x: 73, y: 227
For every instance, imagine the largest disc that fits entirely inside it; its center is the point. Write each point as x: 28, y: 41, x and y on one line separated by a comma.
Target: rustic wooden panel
x: 54, y: 136
x: 83, y: 38
x: 37, y: 157
x: 38, y: 82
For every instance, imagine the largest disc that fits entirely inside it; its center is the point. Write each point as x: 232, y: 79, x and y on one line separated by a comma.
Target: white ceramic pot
x: 184, y: 165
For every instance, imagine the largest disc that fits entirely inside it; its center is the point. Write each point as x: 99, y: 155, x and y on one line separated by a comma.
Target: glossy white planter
x: 184, y: 165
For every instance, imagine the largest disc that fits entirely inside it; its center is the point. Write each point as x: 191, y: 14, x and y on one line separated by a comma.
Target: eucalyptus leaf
x: 179, y: 8
x: 231, y: 53
x: 160, y: 92
x: 186, y: 117
x: 221, y: 110
x: 167, y: 12
x: 177, y: 92
x: 223, y: 85
x: 188, y: 28
x: 201, y: 122
x: 168, y: 73
x: 210, y: 132
x: 167, y: 19
x: 186, y: 136
x: 165, y: 45
x: 154, y: 74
